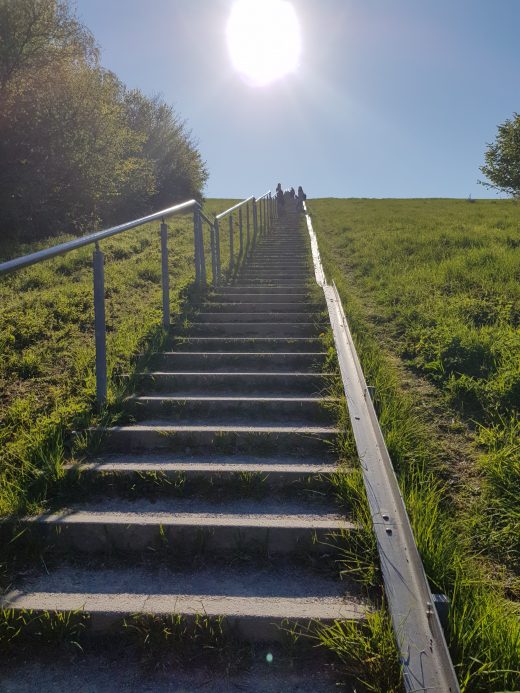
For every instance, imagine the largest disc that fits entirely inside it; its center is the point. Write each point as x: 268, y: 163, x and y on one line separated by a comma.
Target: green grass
x: 47, y: 376
x: 366, y: 653
x: 405, y: 270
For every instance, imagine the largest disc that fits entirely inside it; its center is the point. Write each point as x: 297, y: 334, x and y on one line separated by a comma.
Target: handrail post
x: 196, y: 245
x: 165, y: 276
x: 261, y: 225
x: 241, y: 234
x: 231, y: 245
x: 255, y: 222
x: 217, y: 248
x: 98, y: 265
x: 202, y: 254
x: 247, y: 227
x: 213, y: 255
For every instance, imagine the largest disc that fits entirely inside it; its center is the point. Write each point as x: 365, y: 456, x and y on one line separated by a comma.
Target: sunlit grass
x: 47, y: 375
x: 402, y: 267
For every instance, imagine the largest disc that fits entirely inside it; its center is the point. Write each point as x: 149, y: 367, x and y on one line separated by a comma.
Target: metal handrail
x: 62, y: 248
x: 98, y: 266
x: 267, y: 214
x: 234, y: 208
x: 206, y: 219
x: 263, y: 214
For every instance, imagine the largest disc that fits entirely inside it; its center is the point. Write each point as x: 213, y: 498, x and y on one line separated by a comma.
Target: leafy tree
x: 69, y: 155
x: 77, y: 148
x: 502, y: 158
x: 35, y: 33
x: 179, y: 168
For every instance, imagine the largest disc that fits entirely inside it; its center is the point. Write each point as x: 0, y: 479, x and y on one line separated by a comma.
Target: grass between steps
x: 484, y: 628
x: 171, y: 643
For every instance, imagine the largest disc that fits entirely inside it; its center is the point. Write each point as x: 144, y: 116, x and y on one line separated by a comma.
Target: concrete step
x: 228, y: 410
x: 252, y: 298
x: 278, y: 264
x: 275, y: 384
x: 274, y: 345
x: 276, y: 290
x: 235, y: 439
x: 232, y: 316
x: 294, y: 268
x: 255, y: 602
x: 261, y: 307
x: 286, y: 253
x: 243, y: 361
x: 273, y: 470
x: 274, y: 278
x: 184, y: 525
x: 254, y: 329
x: 287, y: 271
x: 299, y: 284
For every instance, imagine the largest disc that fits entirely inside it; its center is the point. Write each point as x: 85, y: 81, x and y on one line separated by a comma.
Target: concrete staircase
x: 212, y: 498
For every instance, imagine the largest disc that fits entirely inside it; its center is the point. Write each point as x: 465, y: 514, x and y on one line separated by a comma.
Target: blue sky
x: 393, y: 98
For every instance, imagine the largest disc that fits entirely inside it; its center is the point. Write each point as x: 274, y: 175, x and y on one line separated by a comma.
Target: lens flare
x: 264, y: 40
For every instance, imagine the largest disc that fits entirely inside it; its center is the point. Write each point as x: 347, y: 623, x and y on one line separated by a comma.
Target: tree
x: 78, y: 149
x: 35, y: 33
x: 179, y: 169
x: 68, y: 153
x: 502, y: 158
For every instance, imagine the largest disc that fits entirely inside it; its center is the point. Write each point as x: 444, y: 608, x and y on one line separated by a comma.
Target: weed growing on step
x: 20, y: 629
x: 357, y: 550
x: 366, y: 652
x: 178, y: 639
x: 484, y: 629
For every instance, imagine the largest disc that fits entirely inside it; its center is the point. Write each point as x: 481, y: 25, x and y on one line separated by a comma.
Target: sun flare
x: 264, y: 40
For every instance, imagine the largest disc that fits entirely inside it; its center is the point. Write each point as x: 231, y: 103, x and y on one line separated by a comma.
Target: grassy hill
x: 439, y: 282
x: 431, y: 290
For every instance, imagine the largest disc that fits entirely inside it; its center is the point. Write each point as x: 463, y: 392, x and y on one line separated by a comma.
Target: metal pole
x: 213, y: 255
x: 98, y: 264
x: 261, y: 220
x: 255, y: 222
x: 202, y: 254
x: 241, y: 234
x: 247, y: 227
x: 196, y: 245
x: 231, y: 249
x: 217, y: 248
x: 165, y: 276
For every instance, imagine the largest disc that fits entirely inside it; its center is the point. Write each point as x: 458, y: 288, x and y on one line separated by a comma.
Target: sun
x: 264, y: 40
